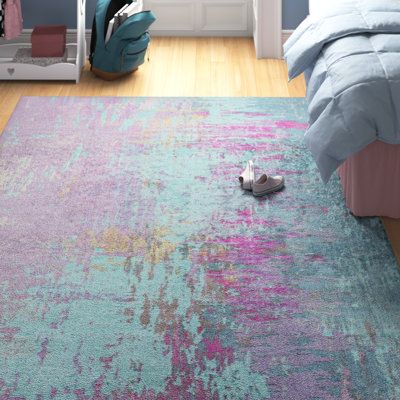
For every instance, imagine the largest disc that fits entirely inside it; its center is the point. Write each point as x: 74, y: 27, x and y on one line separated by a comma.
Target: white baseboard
x: 25, y: 37
x: 285, y: 35
x: 72, y: 36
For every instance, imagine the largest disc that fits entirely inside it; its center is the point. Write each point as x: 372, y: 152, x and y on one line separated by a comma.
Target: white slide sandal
x: 246, y: 179
x: 268, y: 184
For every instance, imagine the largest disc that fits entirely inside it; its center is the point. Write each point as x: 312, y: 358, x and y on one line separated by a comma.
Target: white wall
x: 201, y: 17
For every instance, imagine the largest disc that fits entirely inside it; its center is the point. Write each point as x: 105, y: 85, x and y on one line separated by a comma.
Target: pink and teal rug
x: 133, y: 267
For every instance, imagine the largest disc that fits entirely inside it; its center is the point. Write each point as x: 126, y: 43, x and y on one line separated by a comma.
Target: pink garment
x: 12, y: 19
x: 371, y: 181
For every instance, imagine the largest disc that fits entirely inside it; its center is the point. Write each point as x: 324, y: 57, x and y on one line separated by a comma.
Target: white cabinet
x: 267, y: 28
x: 201, y: 17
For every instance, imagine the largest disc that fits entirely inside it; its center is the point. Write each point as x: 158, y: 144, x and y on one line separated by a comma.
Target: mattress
x: 370, y: 181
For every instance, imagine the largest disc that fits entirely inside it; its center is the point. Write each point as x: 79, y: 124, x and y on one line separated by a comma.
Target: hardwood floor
x: 184, y: 67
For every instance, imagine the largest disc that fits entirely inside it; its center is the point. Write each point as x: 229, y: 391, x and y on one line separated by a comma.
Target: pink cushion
x: 48, y: 41
x: 371, y: 181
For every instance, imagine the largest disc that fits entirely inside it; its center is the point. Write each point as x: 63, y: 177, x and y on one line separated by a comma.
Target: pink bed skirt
x: 371, y: 181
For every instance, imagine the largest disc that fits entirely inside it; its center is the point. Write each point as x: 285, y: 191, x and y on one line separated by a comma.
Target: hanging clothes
x: 2, y: 5
x: 12, y: 19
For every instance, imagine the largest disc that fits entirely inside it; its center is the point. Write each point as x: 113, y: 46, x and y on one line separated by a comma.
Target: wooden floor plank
x: 392, y: 227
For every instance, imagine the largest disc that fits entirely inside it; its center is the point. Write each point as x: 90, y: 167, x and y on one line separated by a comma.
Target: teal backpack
x: 126, y: 49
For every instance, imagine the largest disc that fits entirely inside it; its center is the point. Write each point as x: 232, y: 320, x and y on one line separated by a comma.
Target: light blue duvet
x: 351, y: 59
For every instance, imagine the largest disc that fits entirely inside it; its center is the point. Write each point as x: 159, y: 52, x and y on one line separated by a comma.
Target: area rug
x: 133, y: 266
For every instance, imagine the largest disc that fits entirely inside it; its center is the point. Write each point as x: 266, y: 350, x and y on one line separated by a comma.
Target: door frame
x: 200, y: 18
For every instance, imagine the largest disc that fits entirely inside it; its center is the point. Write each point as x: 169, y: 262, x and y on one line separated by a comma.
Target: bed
x: 371, y: 176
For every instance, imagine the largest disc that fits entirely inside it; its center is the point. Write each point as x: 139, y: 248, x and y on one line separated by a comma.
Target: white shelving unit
x: 70, y: 70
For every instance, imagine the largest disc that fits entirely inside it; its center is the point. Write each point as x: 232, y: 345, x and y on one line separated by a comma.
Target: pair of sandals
x: 262, y: 186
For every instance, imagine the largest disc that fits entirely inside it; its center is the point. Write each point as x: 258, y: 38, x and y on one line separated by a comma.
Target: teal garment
x: 126, y: 49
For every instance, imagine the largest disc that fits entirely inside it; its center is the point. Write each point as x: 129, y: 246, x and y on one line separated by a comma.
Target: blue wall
x: 294, y: 11
x: 64, y: 12
x: 54, y: 12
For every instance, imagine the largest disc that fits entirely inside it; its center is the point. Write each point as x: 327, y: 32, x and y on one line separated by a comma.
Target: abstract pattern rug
x: 132, y: 265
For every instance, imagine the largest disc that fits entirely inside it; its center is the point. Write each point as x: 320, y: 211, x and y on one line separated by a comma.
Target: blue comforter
x: 351, y: 59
